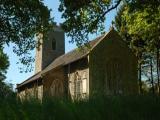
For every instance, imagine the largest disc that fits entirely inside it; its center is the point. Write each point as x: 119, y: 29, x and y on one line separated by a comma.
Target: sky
x: 13, y: 73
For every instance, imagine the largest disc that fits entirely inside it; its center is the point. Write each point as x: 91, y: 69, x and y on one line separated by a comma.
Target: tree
x: 134, y: 43
x: 138, y: 24
x: 19, y: 22
x: 120, y: 24
x: 84, y: 17
x: 4, y: 63
x: 143, y: 20
x: 5, y: 89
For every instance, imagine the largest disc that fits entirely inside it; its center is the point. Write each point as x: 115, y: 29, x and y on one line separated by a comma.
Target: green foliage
x: 138, y: 24
x: 19, y: 22
x: 143, y: 22
x: 97, y: 108
x: 6, y: 90
x: 4, y: 63
x: 120, y: 24
x: 84, y: 17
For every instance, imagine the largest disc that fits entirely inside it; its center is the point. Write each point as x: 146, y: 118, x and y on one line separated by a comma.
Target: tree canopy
x: 143, y: 20
x: 138, y: 24
x: 4, y: 63
x: 84, y: 17
x: 5, y: 89
x: 20, y: 21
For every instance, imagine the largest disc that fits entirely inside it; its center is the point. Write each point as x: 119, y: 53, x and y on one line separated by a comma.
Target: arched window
x: 78, y: 84
x: 84, y: 82
x: 56, y: 87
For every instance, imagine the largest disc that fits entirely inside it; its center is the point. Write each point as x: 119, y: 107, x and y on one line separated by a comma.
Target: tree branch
x: 108, y: 10
x: 113, y: 7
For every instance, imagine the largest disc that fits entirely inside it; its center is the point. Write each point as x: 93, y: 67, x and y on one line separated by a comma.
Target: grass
x: 97, y: 108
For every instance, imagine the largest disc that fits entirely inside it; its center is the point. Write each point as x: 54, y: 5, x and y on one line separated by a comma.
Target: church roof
x: 65, y: 59
x: 71, y: 56
x: 30, y: 79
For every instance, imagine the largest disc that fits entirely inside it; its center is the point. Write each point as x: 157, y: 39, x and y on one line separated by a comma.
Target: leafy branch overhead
x: 19, y: 22
x: 84, y: 17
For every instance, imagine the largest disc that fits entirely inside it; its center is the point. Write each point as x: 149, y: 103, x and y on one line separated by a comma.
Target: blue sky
x: 13, y: 74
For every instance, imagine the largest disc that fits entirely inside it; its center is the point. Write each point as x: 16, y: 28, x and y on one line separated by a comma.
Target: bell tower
x: 49, y: 48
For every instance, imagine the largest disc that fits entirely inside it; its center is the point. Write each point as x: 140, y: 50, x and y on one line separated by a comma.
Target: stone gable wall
x: 113, y: 67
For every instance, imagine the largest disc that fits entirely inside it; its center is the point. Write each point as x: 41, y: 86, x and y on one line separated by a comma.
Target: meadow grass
x: 96, y: 108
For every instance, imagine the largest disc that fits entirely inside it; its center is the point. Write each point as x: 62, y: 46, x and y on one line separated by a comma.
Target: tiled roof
x: 31, y: 79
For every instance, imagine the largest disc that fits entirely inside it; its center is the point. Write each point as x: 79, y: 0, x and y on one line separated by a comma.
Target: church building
x: 108, y: 66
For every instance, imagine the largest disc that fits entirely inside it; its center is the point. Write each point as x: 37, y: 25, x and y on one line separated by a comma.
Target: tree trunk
x: 140, y: 72
x: 152, y: 82
x: 158, y: 87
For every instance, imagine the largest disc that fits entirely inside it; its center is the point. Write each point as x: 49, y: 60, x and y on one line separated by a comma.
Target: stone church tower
x: 49, y: 49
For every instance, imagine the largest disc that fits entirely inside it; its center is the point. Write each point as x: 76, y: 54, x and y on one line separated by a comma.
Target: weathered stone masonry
x: 109, y: 67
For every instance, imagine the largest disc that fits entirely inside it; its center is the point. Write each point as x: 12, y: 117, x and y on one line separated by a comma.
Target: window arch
x: 56, y: 87
x: 78, y: 84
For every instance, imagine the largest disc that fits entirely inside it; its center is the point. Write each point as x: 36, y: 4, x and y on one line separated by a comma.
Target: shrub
x: 96, y: 108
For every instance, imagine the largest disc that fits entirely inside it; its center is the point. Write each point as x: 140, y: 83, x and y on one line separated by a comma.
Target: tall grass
x: 96, y: 108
